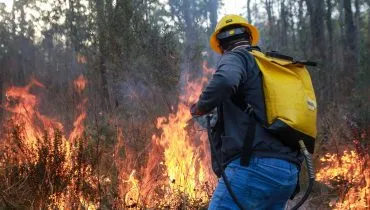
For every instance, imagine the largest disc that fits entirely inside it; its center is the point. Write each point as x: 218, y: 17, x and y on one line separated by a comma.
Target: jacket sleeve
x: 224, y: 83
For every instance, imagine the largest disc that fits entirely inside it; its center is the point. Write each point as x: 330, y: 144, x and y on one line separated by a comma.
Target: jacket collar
x: 237, y: 45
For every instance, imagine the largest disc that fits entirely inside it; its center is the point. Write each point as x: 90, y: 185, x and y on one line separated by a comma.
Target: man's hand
x: 194, y: 111
x: 196, y: 114
x: 190, y: 125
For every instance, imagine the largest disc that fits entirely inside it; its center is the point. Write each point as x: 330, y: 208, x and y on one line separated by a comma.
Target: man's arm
x: 224, y: 83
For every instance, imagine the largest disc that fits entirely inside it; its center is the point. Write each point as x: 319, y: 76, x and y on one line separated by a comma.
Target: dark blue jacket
x: 236, y: 83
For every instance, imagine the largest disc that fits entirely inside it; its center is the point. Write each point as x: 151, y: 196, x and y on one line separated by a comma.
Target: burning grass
x: 343, y: 163
x: 95, y: 167
x: 349, y: 175
x: 42, y: 166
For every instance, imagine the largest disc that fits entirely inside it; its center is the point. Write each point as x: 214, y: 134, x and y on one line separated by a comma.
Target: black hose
x: 224, y: 177
x: 311, y: 174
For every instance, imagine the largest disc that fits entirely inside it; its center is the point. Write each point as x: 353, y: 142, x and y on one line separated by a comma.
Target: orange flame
x: 80, y: 83
x: 186, y: 159
x: 128, y: 188
x: 22, y: 104
x: 23, y: 107
x: 81, y: 59
x: 178, y: 161
x: 132, y: 195
x: 349, y: 171
x: 78, y: 126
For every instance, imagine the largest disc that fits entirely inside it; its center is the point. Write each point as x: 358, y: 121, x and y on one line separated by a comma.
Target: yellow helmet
x: 228, y: 20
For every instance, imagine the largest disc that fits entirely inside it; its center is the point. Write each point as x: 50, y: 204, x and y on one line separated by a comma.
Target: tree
x: 213, y: 16
x: 103, y: 50
x: 284, y: 15
x: 302, y: 29
x: 329, y: 26
x: 316, y: 12
x: 4, y: 43
x: 249, y: 11
x: 350, y: 48
x: 189, y: 15
x: 270, y: 24
x: 368, y: 30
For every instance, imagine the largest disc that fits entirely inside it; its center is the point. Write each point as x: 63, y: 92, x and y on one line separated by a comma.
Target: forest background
x: 138, y: 57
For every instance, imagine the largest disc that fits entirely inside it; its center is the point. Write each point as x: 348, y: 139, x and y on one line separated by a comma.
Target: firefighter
x: 271, y: 175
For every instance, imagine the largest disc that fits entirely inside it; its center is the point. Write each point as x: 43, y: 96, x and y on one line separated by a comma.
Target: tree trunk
x: 192, y: 60
x: 23, y: 23
x: 368, y: 31
x: 103, y: 53
x: 292, y: 25
x: 302, y: 30
x: 358, y: 32
x: 122, y: 37
x: 329, y: 25
x: 316, y: 12
x: 14, y: 25
x: 213, y: 8
x: 330, y: 76
x: 72, y: 28
x: 271, y: 28
x: 283, y: 39
x: 22, y: 42
x: 249, y: 11
x: 350, y: 64
x: 340, y: 48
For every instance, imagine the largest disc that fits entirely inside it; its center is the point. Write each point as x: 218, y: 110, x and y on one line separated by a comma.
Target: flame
x: 30, y: 138
x: 81, y: 59
x: 80, y: 83
x: 177, y: 165
x: 79, y: 128
x: 186, y: 159
x: 350, y: 173
x: 132, y: 195
x: 22, y: 104
x: 78, y: 125
x: 128, y: 188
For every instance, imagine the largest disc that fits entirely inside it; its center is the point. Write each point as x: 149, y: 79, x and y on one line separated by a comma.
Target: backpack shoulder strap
x: 251, y: 130
x: 249, y: 139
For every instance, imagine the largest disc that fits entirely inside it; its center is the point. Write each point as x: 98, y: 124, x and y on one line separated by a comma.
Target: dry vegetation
x: 117, y: 140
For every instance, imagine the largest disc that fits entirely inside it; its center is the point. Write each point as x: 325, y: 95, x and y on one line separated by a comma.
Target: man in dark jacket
x: 270, y: 176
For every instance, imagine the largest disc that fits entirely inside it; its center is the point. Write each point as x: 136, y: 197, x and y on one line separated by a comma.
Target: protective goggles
x: 230, y: 33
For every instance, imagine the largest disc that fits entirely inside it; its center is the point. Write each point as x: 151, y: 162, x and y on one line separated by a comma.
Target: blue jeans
x: 267, y: 183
